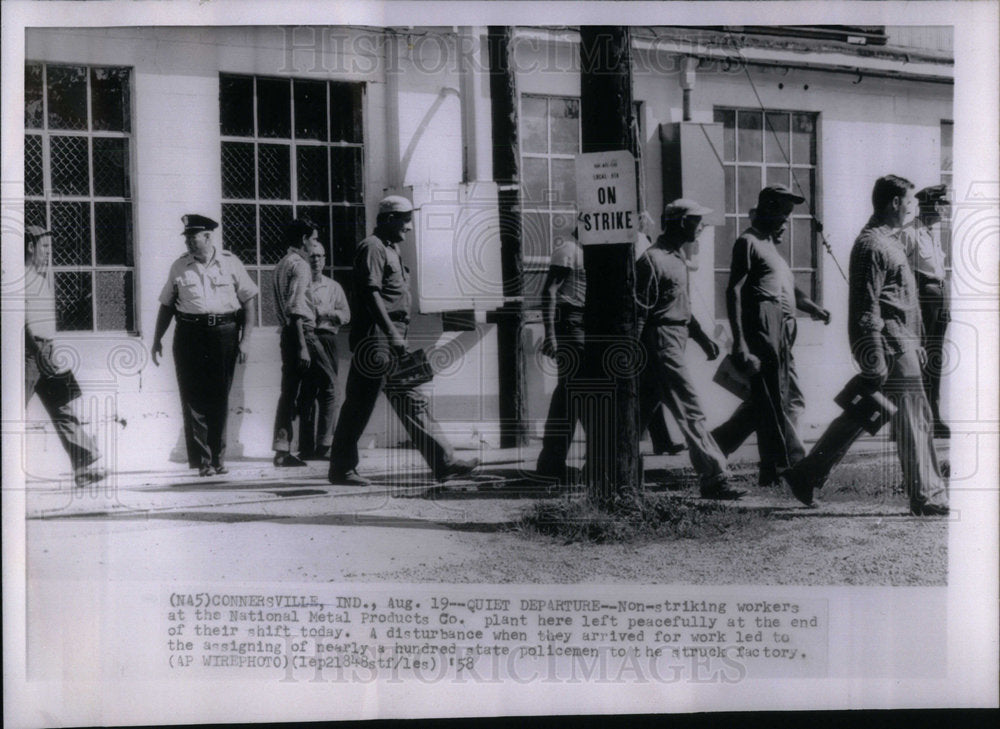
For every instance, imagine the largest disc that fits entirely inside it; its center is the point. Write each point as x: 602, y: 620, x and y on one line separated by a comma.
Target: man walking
x: 55, y: 389
x: 664, y: 324
x: 317, y: 403
x: 884, y: 332
x: 378, y: 338
x: 761, y: 300
x: 205, y: 290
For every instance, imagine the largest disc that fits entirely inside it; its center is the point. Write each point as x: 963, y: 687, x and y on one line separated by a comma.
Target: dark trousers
x: 205, y: 359
x: 317, y: 404
x: 772, y: 407
x: 564, y: 410
x: 913, y: 435
x: 935, y: 315
x: 371, y: 362
x: 56, y: 393
x: 292, y: 377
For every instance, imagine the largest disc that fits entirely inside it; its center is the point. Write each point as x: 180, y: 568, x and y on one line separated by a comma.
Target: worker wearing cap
x: 381, y: 284
x: 664, y: 325
x: 56, y: 389
x: 923, y: 246
x: 761, y: 300
x: 206, y: 290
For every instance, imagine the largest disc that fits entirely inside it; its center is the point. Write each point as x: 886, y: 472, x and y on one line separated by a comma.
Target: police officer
x: 205, y: 291
x: 381, y: 285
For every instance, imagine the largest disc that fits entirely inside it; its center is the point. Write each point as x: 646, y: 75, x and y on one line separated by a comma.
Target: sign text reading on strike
x: 606, y: 197
x: 616, y: 220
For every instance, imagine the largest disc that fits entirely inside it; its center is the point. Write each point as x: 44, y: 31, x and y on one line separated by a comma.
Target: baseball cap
x: 197, y: 223
x: 682, y: 207
x: 773, y: 193
x: 933, y: 194
x: 394, y: 204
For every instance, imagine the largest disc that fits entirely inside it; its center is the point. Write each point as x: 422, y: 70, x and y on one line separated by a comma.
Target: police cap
x: 34, y: 232
x: 197, y: 223
x: 933, y: 194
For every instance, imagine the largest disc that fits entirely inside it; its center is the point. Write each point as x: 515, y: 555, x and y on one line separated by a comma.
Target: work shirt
x: 292, y: 277
x: 661, y: 286
x: 218, y: 286
x: 378, y: 266
x: 768, y: 276
x: 39, y: 302
x: 923, y: 248
x: 882, y: 295
x: 568, y: 253
x: 327, y: 298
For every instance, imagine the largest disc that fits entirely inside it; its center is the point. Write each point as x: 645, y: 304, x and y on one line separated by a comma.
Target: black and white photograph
x: 465, y: 359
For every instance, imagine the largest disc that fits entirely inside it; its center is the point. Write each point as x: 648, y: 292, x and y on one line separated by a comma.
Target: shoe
x: 801, y: 490
x: 347, y: 478
x: 457, y: 469
x: 671, y: 450
x: 942, y: 431
x: 89, y: 475
x: 722, y: 491
x: 287, y: 460
x: 220, y: 469
x: 320, y: 454
x: 929, y: 510
x: 204, y: 471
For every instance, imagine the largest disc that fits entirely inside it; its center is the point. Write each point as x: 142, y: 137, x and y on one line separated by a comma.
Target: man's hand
x: 157, y: 351
x: 397, y: 342
x: 822, y: 315
x: 922, y: 356
x: 304, y: 359
x: 710, y: 347
x: 746, y: 361
x: 549, y: 346
x: 244, y: 351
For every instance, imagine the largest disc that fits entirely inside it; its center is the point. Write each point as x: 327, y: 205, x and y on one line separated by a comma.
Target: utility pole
x: 506, y: 173
x: 611, y: 355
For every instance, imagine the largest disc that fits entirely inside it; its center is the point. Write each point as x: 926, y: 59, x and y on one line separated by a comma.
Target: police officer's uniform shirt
x: 292, y: 276
x: 568, y: 253
x: 219, y: 286
x: 379, y: 267
x: 923, y: 246
x: 327, y: 298
x: 662, y: 286
x: 769, y: 277
x: 40, y: 303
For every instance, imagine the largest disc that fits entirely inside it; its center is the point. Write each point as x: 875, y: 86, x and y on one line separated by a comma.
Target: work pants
x: 935, y: 315
x: 564, y: 407
x: 371, y: 362
x: 665, y: 379
x: 317, y: 404
x: 55, y: 395
x: 913, y: 435
x: 205, y: 360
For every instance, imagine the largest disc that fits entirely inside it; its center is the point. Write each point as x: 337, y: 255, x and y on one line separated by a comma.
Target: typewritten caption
x: 443, y: 635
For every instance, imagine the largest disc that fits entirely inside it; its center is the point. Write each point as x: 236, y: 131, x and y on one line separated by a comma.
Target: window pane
x: 70, y: 169
x: 33, y: 180
x: 33, y: 106
x: 273, y: 108
x: 776, y: 137
x: 721, y: 281
x: 535, y: 236
x: 565, y: 125
x: 802, y: 183
x: 239, y: 231
x: 268, y: 311
x: 347, y: 229
x: 802, y: 243
x: 318, y: 215
x: 534, y: 132
x: 345, y: 113
x: 115, y: 305
x: 728, y: 119
x: 725, y: 236
x: 730, y: 172
x: 749, y: 136
x: 34, y: 214
x: 777, y: 175
x: 310, y: 110
x: 534, y: 181
x: 273, y: 172
x: 71, y: 234
x: 749, y: 180
x: 947, y: 142
x: 109, y: 99
x: 273, y: 219
x: 236, y: 105
x: 345, y: 174
x: 237, y: 170
x: 564, y: 182
x: 310, y: 166
x: 563, y: 224
x: 74, y: 301
x: 111, y: 167
x: 805, y: 281
x: 67, y: 97
x: 803, y: 139
x: 113, y: 233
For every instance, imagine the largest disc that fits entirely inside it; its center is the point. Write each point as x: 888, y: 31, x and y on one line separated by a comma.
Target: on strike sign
x: 606, y: 198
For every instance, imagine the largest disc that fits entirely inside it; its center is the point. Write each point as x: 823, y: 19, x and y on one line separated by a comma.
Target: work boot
x: 284, y: 459
x: 347, y: 478
x: 721, y: 491
x: 88, y: 475
x: 458, y: 469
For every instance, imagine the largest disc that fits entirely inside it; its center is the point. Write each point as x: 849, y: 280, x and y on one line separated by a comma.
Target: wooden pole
x: 611, y: 356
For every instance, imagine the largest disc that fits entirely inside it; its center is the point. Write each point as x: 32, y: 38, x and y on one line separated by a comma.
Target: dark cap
x: 197, y: 223
x: 775, y: 193
x: 34, y: 232
x: 933, y: 194
x: 682, y: 207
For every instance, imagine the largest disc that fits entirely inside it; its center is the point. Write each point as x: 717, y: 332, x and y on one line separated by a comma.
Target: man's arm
x: 867, y: 273
x: 372, y: 299
x: 555, y: 278
x: 708, y: 345
x: 341, y: 309
x: 739, y: 270
x: 804, y: 303
x: 163, y: 319
x: 249, y: 322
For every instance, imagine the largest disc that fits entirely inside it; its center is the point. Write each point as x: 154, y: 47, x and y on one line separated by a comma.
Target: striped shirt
x: 292, y: 276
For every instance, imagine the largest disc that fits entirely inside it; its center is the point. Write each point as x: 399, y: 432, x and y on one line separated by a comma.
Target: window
x: 550, y: 141
x: 291, y: 148
x: 764, y: 148
x: 77, y: 183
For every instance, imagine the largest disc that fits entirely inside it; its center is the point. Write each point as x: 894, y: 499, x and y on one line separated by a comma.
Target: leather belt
x: 923, y: 279
x: 207, y: 320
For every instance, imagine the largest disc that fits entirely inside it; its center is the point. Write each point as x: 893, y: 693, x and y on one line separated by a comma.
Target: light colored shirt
x: 568, y: 253
x: 218, y: 286
x: 769, y: 277
x: 292, y: 276
x: 328, y: 299
x: 661, y: 286
x: 923, y: 248
x: 40, y: 302
x: 378, y: 266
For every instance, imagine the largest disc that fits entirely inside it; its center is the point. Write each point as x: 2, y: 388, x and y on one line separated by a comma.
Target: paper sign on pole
x: 606, y: 198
